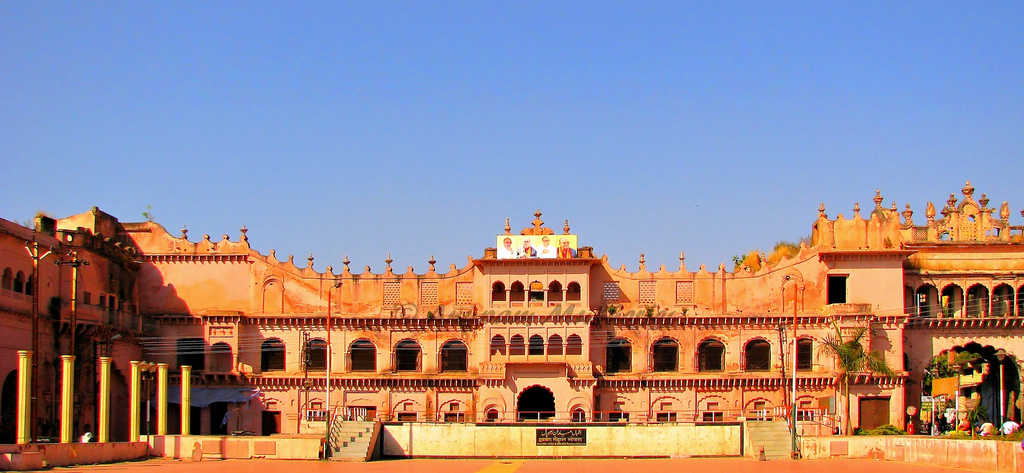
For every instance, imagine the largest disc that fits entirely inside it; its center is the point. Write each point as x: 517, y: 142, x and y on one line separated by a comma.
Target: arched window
x: 1002, y: 301
x: 926, y: 298
x: 407, y: 356
x: 804, y: 354
x: 363, y: 355
x: 29, y: 285
x: 220, y: 357
x: 665, y: 354
x: 619, y: 356
x: 272, y: 355
x: 316, y: 354
x: 498, y: 345
x: 536, y: 291
x: 555, y: 345
x: 19, y: 282
x: 192, y: 352
x: 7, y: 282
x: 977, y: 301
x: 498, y: 292
x: 952, y: 300
x: 579, y: 415
x: 517, y: 345
x: 491, y: 415
x: 757, y: 356
x: 573, y: 292
x: 1020, y: 301
x: 536, y: 345
x: 454, y: 356
x: 555, y: 291
x: 574, y: 345
x: 711, y: 356
x: 518, y: 292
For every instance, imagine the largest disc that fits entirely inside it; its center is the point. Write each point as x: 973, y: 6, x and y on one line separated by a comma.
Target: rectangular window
x: 103, y: 300
x: 804, y: 354
x: 87, y: 298
x: 713, y: 414
x: 666, y: 417
x: 837, y: 289
x: 407, y: 417
x: 454, y: 417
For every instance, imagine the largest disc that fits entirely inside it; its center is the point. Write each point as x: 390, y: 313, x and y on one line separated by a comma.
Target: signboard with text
x: 561, y: 437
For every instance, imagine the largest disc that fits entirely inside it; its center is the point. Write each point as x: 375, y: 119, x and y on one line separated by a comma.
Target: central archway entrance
x: 535, y: 403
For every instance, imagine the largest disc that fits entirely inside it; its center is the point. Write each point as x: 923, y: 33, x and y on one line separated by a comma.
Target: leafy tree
x: 851, y: 359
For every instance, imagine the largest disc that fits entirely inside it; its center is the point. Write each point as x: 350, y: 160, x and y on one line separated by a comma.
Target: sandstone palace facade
x: 276, y: 346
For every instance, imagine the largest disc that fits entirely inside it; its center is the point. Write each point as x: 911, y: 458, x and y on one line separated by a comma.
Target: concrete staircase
x: 350, y: 440
x: 774, y: 436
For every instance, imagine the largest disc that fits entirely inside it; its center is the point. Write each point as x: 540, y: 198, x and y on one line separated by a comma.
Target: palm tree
x: 851, y: 359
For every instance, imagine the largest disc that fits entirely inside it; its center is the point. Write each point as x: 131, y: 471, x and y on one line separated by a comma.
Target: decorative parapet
x: 958, y: 221
x: 492, y: 370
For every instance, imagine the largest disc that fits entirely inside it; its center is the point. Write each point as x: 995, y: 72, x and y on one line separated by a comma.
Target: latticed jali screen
x: 684, y: 292
x: 428, y: 294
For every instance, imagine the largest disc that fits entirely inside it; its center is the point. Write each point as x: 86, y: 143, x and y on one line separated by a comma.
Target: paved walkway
x: 693, y: 465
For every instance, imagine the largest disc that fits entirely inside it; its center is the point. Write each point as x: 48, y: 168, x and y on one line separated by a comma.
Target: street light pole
x: 330, y: 354
x: 33, y: 252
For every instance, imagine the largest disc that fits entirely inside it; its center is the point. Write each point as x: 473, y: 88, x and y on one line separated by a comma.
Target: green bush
x: 887, y: 429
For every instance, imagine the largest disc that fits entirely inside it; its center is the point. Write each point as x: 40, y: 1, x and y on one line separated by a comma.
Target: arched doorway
x: 536, y: 403
x: 9, y: 408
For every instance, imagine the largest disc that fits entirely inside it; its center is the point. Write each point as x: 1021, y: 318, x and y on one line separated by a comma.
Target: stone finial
x: 951, y: 203
x: 907, y: 214
x: 184, y: 232
x: 225, y: 237
x: 642, y: 261
x: 929, y: 212
x: 821, y: 211
x: 508, y: 229
x: 206, y: 237
x: 983, y: 201
x: 1004, y: 212
x: 893, y: 206
x: 878, y: 198
x: 244, y: 231
x: 388, y: 261
x: 310, y: 260
x: 537, y: 222
x: 330, y: 269
x: 566, y: 227
x: 968, y: 190
x: 432, y: 261
x: 856, y: 209
x: 345, y: 262
x: 291, y: 259
x: 682, y: 260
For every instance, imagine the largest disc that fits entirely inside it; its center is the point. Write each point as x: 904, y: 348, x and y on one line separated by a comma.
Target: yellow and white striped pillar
x: 186, y: 399
x: 104, y: 427
x: 24, y: 397
x: 67, y: 397
x: 161, y: 399
x: 135, y: 400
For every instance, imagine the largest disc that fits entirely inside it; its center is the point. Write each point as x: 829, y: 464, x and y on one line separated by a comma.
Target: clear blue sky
x: 364, y: 128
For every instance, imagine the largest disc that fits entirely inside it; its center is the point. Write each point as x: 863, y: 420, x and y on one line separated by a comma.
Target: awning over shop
x: 202, y: 397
